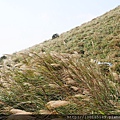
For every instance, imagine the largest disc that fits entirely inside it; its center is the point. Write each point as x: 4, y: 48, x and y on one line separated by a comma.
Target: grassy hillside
x: 99, y: 38
x: 63, y: 70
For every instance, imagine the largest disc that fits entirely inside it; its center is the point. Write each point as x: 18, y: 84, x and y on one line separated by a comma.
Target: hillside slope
x: 99, y: 38
x: 60, y: 76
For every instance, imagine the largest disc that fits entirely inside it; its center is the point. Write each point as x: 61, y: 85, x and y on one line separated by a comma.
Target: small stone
x: 18, y: 114
x: 80, y: 95
x: 85, y: 92
x: 54, y: 86
x: 75, y: 88
x: 47, y: 112
x: 56, y: 104
x: 116, y: 76
x: 93, y: 61
x: 70, y: 81
x: 18, y: 111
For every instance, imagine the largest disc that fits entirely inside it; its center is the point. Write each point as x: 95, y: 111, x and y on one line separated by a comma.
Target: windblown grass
x: 31, y: 91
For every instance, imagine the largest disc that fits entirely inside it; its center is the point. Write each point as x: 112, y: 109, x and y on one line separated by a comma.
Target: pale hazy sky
x: 24, y: 23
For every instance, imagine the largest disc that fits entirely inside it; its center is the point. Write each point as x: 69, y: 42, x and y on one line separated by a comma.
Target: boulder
x: 55, y: 36
x: 3, y: 57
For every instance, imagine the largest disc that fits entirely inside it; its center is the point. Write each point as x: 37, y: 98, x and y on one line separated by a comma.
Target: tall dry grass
x: 31, y: 87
